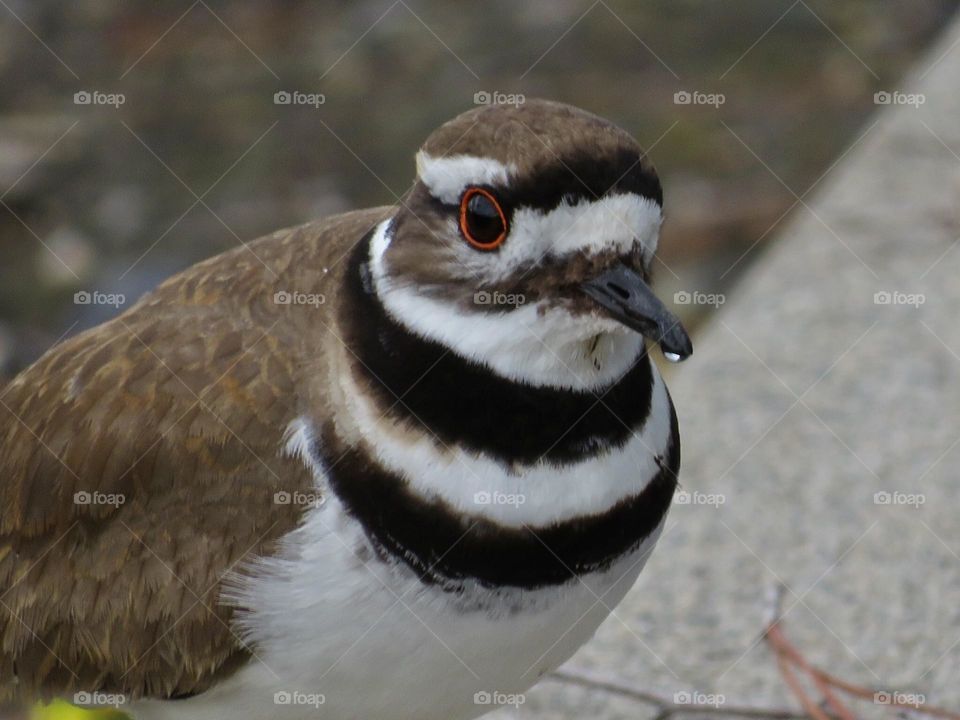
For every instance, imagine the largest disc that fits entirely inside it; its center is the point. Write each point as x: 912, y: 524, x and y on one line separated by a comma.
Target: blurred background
x: 182, y: 151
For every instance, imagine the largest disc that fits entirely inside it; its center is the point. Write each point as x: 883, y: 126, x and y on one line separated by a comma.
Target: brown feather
x: 179, y: 405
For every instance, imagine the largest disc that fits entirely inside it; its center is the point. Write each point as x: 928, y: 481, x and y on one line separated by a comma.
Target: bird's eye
x: 482, y: 220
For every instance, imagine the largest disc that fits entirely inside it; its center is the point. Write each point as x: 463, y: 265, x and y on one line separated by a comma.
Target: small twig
x: 666, y: 707
x: 788, y: 657
x: 811, y: 708
x: 869, y: 694
x: 787, y: 653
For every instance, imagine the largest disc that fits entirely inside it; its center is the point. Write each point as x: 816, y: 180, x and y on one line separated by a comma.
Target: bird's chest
x: 396, y: 599
x: 374, y: 641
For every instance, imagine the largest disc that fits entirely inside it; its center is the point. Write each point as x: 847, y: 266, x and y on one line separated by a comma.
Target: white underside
x: 377, y: 644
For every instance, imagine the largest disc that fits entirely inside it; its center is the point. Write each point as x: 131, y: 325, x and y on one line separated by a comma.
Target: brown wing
x: 138, y: 465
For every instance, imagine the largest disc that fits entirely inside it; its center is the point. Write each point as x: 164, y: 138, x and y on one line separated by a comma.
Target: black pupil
x: 483, y: 220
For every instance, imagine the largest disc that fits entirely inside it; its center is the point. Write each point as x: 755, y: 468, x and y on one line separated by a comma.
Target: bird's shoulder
x: 143, y: 460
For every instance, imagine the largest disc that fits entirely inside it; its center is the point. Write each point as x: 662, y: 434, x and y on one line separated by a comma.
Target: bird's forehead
x: 527, y: 134
x: 541, y: 153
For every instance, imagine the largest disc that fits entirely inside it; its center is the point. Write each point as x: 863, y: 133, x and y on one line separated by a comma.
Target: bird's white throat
x: 533, y: 344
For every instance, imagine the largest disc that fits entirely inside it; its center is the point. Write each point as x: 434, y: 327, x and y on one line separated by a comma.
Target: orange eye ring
x: 483, y: 229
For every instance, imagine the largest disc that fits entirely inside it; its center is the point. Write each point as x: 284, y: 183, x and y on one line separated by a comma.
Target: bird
x: 395, y: 463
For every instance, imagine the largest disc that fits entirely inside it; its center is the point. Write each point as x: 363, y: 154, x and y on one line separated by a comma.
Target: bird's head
x: 525, y: 245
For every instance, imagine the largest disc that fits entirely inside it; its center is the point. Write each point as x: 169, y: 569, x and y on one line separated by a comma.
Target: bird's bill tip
x: 626, y: 297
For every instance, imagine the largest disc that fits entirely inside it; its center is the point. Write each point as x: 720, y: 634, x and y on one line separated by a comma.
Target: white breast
x: 331, y: 621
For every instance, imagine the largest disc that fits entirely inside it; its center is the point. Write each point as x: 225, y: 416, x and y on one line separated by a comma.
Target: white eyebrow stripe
x: 610, y: 223
x: 447, y: 177
x: 619, y: 224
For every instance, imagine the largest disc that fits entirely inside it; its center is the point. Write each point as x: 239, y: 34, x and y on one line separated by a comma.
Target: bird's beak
x: 626, y: 297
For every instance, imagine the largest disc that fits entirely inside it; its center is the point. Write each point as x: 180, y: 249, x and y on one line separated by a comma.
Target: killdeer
x: 397, y: 463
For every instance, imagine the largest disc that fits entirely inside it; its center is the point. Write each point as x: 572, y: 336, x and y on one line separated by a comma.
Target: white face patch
x: 447, y: 177
x: 535, y: 344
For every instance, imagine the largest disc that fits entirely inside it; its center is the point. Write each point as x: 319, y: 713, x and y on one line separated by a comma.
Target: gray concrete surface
x: 805, y: 398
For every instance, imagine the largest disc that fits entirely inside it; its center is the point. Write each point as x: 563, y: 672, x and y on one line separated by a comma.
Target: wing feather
x: 138, y: 464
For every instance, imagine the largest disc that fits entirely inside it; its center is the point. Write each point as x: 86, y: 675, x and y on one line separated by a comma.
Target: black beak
x: 626, y: 297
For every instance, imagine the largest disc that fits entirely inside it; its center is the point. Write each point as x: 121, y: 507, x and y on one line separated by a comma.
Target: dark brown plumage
x: 530, y: 136
x: 179, y: 405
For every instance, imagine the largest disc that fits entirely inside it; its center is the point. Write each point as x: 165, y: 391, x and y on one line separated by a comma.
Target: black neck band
x: 463, y: 403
